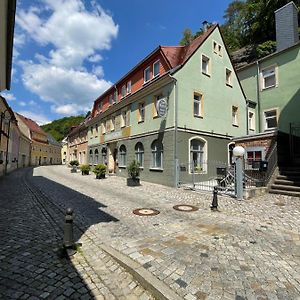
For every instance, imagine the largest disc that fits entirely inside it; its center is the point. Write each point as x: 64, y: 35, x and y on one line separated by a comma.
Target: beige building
x: 54, y: 153
x: 64, y: 151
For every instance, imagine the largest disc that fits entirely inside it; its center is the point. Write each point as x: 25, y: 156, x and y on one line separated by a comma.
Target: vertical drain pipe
x: 258, y: 96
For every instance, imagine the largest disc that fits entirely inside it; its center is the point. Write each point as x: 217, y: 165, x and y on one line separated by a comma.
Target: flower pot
x: 74, y: 169
x: 133, y: 182
x: 100, y: 176
x: 85, y: 172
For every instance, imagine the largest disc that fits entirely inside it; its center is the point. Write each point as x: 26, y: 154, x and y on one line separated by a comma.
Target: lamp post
x: 239, y: 152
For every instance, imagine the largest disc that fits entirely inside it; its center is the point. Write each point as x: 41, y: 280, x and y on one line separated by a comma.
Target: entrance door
x: 295, y: 142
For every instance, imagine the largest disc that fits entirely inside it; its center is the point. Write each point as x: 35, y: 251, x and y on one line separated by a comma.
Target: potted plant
x: 133, y: 172
x: 85, y: 169
x: 100, y: 171
x: 74, y: 164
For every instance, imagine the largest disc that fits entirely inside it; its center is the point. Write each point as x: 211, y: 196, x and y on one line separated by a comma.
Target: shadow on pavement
x: 29, y: 264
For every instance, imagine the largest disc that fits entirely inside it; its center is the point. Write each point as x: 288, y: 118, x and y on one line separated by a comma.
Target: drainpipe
x: 258, y: 96
x: 7, y: 142
x: 247, y: 117
x: 176, y: 162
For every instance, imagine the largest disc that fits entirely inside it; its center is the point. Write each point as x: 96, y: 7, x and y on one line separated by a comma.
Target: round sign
x: 162, y: 107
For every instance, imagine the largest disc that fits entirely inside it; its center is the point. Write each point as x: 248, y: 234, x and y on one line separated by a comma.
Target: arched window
x: 139, y: 154
x: 197, y: 156
x: 91, y: 157
x: 104, y: 155
x: 122, y: 156
x: 157, y: 154
x: 96, y: 157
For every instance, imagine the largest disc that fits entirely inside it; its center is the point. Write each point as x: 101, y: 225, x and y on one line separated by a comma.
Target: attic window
x: 228, y: 77
x: 100, y: 107
x: 269, y: 77
x: 147, y: 74
x: 205, y: 65
x: 156, y: 68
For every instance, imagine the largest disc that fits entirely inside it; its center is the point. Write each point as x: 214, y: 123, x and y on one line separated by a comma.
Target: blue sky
x: 68, y: 52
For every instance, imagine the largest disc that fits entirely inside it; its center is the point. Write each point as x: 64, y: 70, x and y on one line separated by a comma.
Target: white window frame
x: 157, y: 62
x: 265, y: 119
x: 205, y: 148
x: 229, y: 78
x: 139, y: 154
x: 122, y: 156
x: 142, y: 106
x: 207, y: 70
x: 157, y: 153
x: 235, y: 117
x: 113, y: 123
x: 123, y: 91
x: 100, y: 106
x: 129, y: 87
x: 262, y: 76
x: 123, y: 118
x: 110, y: 100
x: 199, y: 103
x: 115, y: 97
x: 145, y: 72
x: 251, y: 121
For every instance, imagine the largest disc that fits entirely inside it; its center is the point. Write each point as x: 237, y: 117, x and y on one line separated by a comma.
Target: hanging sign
x: 162, y: 107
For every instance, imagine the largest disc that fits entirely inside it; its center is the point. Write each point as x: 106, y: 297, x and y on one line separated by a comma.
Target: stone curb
x: 155, y: 286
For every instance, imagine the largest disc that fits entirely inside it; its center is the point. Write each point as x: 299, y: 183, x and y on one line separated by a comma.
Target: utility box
x: 263, y: 166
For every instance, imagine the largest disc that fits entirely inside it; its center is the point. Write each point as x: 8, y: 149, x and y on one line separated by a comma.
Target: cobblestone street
x: 247, y: 250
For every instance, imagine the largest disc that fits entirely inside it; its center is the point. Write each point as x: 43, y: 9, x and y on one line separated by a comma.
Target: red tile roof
x: 177, y: 55
x: 33, y: 126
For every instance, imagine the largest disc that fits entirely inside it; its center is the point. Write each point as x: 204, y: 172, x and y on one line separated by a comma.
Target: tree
x: 187, y: 37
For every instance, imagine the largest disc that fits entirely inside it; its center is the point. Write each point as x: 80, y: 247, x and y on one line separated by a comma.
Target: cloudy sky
x: 68, y: 52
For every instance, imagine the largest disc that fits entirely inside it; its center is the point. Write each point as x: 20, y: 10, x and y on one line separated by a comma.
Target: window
x: 197, y: 105
x: 139, y: 154
x: 113, y: 123
x: 270, y: 119
x: 123, y: 91
x: 252, y: 157
x: 157, y: 154
x: 122, y: 156
x: 156, y: 98
x: 124, y: 118
x: 147, y: 74
x: 100, y: 107
x: 268, y: 77
x: 104, y: 155
x: 205, y: 65
x: 156, y: 68
x: 110, y: 100
x: 96, y: 130
x: 91, y: 132
x: 197, y: 156
x: 96, y: 157
x: 102, y: 128
x: 251, y: 120
x: 107, y: 125
x: 235, y: 116
x: 115, y: 96
x: 141, y: 112
x: 128, y: 87
x: 91, y: 157
x: 220, y: 50
x: 215, y: 47
x: 228, y: 77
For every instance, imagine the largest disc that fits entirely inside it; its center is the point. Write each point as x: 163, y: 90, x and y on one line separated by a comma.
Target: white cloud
x: 63, y: 86
x: 8, y: 96
x: 22, y: 103
x: 41, y: 119
x: 73, y: 35
x: 75, y: 32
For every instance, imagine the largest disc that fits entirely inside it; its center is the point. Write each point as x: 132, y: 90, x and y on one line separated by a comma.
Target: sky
x: 68, y: 52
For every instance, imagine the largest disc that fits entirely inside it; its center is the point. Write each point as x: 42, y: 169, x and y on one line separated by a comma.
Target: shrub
x: 100, y: 170
x: 74, y: 163
x: 133, y: 170
x: 85, y: 168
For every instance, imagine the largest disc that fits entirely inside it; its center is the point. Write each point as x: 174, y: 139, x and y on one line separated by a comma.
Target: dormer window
x: 115, y: 96
x: 147, y: 74
x: 110, y: 99
x: 205, y: 65
x: 128, y: 87
x: 156, y: 69
x: 100, y: 107
x: 123, y: 91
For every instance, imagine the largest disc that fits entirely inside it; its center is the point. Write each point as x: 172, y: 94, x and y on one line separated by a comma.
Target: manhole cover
x: 184, y: 207
x: 146, y: 212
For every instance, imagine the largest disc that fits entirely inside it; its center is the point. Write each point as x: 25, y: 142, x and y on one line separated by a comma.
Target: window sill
x: 122, y: 167
x: 269, y: 87
x: 200, y: 117
x: 155, y: 117
x: 139, y: 122
x: 229, y: 85
x: 156, y: 169
x: 235, y: 125
x: 206, y: 74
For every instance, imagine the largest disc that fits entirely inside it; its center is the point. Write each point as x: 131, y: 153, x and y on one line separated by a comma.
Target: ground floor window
x: 122, y: 156
x: 96, y: 157
x: 157, y: 154
x: 139, y: 154
x: 91, y: 157
x: 197, y: 155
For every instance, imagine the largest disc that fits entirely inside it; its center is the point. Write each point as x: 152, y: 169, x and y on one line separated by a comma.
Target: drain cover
x: 146, y: 212
x: 186, y: 208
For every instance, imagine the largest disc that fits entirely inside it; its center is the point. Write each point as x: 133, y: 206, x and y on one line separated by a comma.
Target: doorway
x: 112, y: 157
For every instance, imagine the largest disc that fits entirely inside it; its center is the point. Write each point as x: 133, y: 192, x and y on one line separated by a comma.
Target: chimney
x: 205, y: 26
x: 286, y: 19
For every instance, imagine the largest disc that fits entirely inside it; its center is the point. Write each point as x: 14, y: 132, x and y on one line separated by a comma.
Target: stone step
x: 285, y: 187
x: 290, y: 178
x: 295, y: 173
x: 286, y: 193
x: 286, y: 182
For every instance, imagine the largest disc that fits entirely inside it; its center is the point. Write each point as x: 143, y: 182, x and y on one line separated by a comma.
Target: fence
x: 206, y: 176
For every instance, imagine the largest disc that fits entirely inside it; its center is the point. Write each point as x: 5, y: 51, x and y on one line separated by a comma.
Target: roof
x: 52, y: 140
x: 8, y: 108
x: 32, y: 125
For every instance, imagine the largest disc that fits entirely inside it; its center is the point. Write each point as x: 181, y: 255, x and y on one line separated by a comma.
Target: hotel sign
x: 162, y: 107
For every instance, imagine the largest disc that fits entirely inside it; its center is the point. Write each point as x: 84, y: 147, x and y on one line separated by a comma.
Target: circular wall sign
x: 161, y: 107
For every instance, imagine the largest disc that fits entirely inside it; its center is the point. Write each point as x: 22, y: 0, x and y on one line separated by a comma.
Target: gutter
x: 258, y: 96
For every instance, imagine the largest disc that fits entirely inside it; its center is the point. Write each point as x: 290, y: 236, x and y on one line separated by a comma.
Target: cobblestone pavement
x: 31, y: 264
x: 248, y: 250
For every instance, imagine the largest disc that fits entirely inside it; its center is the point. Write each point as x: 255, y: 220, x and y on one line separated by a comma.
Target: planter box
x: 85, y: 172
x: 133, y: 182
x: 100, y: 176
x: 74, y: 170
